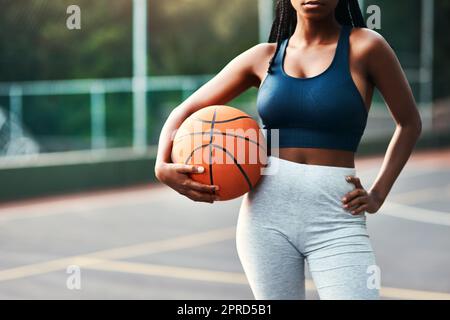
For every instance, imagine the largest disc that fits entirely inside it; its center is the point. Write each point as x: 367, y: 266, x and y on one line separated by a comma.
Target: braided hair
x: 347, y: 13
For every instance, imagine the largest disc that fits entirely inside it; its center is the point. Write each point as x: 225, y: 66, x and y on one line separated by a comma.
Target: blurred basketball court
x: 151, y: 243
x: 74, y: 116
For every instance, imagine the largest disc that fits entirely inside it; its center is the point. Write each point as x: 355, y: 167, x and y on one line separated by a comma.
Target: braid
x: 276, y: 24
x: 276, y: 31
x: 356, y: 14
x: 342, y: 13
x: 348, y: 13
x: 283, y: 26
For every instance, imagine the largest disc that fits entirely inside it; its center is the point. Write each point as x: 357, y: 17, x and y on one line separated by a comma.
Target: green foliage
x: 184, y: 37
x: 199, y: 36
x: 36, y: 44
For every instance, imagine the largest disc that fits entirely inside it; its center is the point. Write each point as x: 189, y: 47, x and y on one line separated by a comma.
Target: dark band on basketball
x: 236, y: 163
x: 193, y: 151
x: 211, y: 133
x: 224, y: 121
x: 227, y: 152
x: 222, y: 133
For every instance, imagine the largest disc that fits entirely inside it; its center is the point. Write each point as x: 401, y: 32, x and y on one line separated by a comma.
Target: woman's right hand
x: 176, y: 176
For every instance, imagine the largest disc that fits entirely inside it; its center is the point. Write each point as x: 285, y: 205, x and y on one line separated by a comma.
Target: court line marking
x: 185, y: 273
x: 142, y: 197
x: 421, y: 195
x: 390, y: 208
x: 103, y: 260
x: 411, y: 213
x: 409, y: 172
x: 197, y: 274
x: 152, y: 247
x: 81, y: 205
x: 414, y: 171
x: 410, y: 294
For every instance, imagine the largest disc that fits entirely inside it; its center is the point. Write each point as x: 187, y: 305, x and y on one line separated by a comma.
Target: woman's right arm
x: 236, y: 77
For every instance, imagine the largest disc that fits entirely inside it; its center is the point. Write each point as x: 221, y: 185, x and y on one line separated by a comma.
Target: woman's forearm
x: 173, y: 122
x: 398, y: 153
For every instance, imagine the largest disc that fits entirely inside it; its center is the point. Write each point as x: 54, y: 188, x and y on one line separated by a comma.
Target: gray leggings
x: 295, y: 214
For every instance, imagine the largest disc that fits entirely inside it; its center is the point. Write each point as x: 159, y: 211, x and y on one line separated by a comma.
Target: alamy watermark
x: 374, y: 18
x: 73, y: 21
x: 374, y: 278
x: 73, y: 281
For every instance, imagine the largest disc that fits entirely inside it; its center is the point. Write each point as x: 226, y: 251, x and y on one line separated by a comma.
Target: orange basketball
x: 228, y: 143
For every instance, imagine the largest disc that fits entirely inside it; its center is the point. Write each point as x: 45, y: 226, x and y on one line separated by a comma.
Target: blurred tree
x: 185, y: 37
x: 199, y: 36
x: 36, y: 44
x: 442, y: 56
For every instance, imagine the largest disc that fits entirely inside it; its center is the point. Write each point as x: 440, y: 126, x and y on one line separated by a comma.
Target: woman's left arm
x: 386, y: 74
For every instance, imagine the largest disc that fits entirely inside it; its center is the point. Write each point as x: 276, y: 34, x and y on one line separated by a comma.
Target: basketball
x: 228, y: 143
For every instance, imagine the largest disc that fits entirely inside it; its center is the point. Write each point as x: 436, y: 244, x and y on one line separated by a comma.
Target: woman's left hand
x: 359, y: 200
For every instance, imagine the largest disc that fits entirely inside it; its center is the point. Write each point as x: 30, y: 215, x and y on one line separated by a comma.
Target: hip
x: 299, y: 191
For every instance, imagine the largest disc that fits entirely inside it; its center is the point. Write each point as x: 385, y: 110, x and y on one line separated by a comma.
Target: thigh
x: 346, y: 270
x: 273, y: 266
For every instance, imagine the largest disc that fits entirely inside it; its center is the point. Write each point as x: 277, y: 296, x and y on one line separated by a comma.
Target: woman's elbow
x: 412, y: 125
x: 417, y: 125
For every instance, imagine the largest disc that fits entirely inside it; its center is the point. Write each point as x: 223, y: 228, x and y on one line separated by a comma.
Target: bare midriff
x: 315, y: 156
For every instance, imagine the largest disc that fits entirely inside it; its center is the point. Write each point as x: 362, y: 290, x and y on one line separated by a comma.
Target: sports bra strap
x: 302, y: 125
x: 341, y: 54
x: 279, y: 57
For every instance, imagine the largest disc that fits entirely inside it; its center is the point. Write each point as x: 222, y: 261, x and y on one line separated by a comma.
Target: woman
x: 322, y: 67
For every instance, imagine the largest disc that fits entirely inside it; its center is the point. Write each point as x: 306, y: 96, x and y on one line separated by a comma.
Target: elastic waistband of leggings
x: 311, y: 167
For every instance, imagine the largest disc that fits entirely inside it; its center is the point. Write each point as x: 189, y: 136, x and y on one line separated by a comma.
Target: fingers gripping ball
x: 228, y: 143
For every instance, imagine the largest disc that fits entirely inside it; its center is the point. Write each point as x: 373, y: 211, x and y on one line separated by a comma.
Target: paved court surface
x: 151, y: 243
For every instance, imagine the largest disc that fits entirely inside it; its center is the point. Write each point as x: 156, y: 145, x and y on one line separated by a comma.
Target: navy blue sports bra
x: 324, y: 111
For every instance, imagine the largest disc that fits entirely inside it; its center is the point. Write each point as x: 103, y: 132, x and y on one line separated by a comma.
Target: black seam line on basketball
x: 193, y: 151
x: 222, y: 133
x: 236, y: 163
x: 211, y: 177
x: 223, y: 121
x: 227, y: 152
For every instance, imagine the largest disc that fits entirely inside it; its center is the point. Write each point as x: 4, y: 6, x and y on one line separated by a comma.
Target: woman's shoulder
x: 257, y: 53
x: 258, y: 57
x: 365, y: 42
x: 263, y: 50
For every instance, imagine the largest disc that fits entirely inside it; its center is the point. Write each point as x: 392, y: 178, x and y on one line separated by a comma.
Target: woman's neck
x: 310, y: 31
